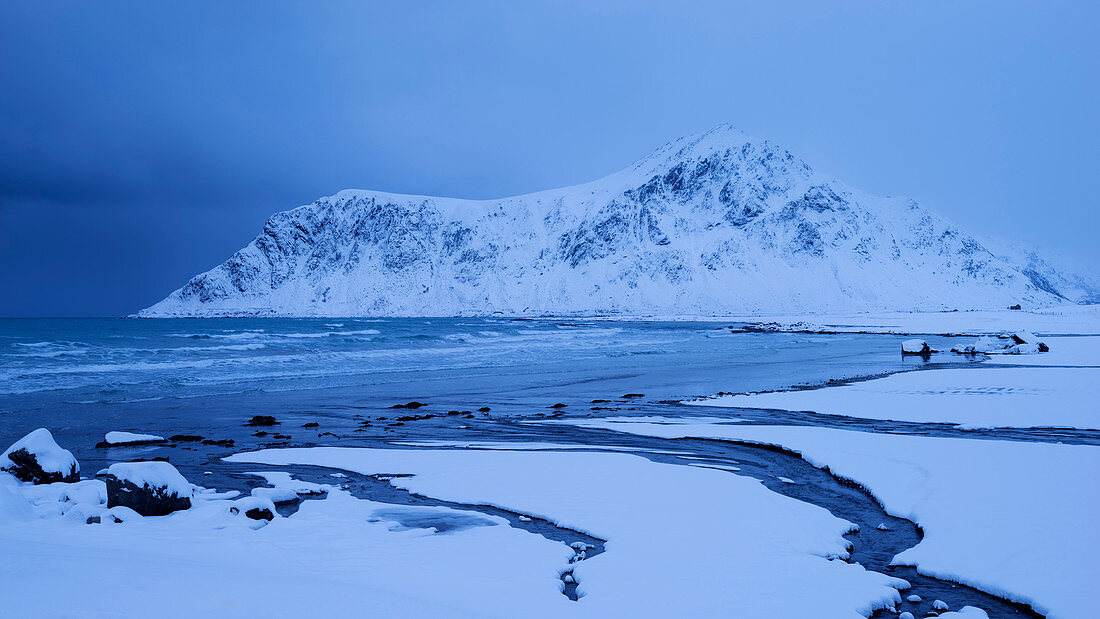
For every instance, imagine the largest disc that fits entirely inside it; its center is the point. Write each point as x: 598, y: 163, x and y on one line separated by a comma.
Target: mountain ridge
x: 709, y: 224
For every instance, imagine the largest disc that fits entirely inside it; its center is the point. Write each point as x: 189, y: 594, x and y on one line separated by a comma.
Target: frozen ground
x: 1067, y: 351
x: 340, y: 556
x: 700, y: 542
x: 1013, y: 518
x: 971, y: 397
x: 1076, y: 319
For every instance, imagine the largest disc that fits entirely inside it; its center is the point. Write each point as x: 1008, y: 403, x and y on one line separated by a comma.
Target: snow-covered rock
x: 1018, y: 343
x: 712, y: 224
x: 1026, y: 343
x: 983, y: 345
x: 149, y: 488
x: 254, y: 507
x: 112, y: 439
x: 1021, y: 349
x: 278, y: 496
x: 939, y: 605
x: 38, y: 458
x: 916, y: 347
x: 118, y: 513
x: 778, y: 327
x: 1024, y: 337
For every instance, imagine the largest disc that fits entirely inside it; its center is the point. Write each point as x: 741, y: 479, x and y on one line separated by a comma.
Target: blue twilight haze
x: 141, y: 143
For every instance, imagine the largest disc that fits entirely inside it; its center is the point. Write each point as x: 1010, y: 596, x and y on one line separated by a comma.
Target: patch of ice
x: 123, y: 438
x: 282, y: 479
x: 966, y: 612
x: 522, y: 445
x: 277, y: 496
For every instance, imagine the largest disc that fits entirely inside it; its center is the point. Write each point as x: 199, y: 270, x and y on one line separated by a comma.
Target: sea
x: 84, y: 377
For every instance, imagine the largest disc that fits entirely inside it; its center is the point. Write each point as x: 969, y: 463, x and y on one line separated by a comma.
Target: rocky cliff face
x: 708, y: 225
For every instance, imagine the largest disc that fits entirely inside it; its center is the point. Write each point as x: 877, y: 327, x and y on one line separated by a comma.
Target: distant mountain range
x: 712, y: 224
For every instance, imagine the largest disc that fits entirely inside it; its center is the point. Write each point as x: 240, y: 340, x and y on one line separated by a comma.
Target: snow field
x: 972, y: 397
x: 1014, y: 519
x: 697, y: 541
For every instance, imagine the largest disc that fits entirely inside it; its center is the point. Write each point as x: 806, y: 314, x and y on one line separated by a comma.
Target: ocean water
x: 83, y: 377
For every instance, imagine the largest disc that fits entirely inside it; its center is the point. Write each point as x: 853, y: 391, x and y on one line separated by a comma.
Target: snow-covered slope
x: 1049, y: 271
x: 707, y: 225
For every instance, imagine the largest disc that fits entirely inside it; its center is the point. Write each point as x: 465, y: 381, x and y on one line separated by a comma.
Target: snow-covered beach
x: 376, y: 507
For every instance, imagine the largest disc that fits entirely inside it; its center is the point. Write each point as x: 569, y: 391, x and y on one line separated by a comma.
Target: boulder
x: 117, y: 514
x: 38, y: 458
x: 916, y: 347
x: 255, y: 508
x: 984, y: 345
x: 148, y: 488
x: 225, y: 442
x: 185, y: 438
x: 1024, y: 337
x: 1027, y: 343
x: 260, y: 513
x: 261, y: 420
x: 1022, y: 349
x: 1018, y: 343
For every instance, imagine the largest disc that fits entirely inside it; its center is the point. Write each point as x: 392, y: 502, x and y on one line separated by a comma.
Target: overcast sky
x: 142, y: 143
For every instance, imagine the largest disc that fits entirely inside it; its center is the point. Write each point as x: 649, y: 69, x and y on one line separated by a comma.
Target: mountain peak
x: 722, y: 141
x: 710, y: 224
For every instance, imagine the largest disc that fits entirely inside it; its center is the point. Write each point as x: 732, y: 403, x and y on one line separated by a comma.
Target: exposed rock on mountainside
x: 711, y: 224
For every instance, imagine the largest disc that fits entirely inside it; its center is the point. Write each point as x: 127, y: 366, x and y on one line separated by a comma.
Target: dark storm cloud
x: 142, y: 142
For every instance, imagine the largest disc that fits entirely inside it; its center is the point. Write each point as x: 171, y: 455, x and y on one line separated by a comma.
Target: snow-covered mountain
x: 712, y: 224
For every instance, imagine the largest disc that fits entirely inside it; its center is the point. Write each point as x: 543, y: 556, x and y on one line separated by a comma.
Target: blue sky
x: 142, y: 143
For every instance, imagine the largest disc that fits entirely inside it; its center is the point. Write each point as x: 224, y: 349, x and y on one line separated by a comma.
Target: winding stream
x: 873, y: 546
